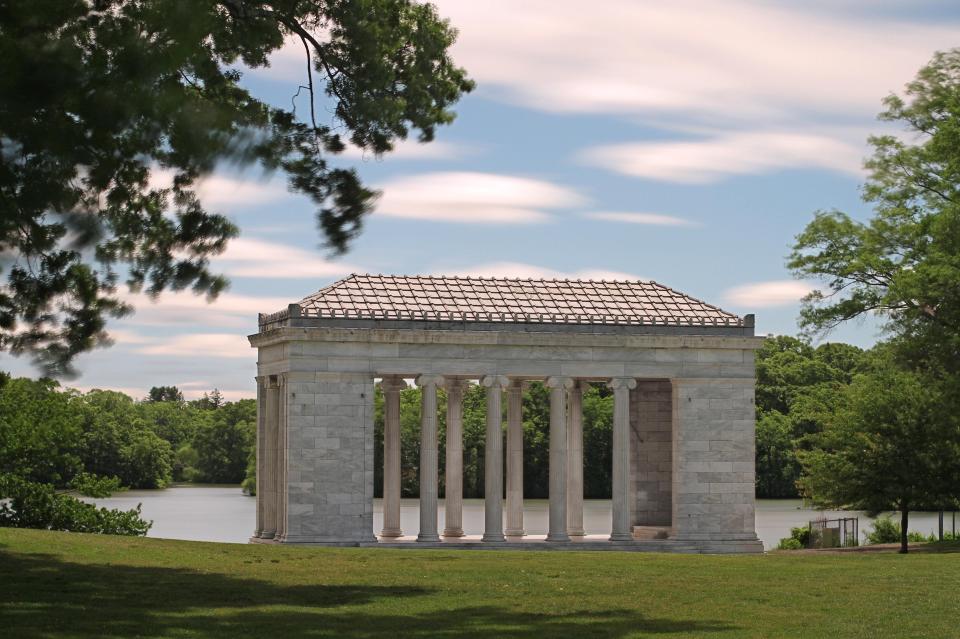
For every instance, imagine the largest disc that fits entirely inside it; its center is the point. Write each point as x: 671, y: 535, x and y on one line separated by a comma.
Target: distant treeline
x: 55, y: 436
x: 51, y: 435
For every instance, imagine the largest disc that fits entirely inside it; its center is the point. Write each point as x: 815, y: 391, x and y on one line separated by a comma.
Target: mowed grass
x: 72, y: 585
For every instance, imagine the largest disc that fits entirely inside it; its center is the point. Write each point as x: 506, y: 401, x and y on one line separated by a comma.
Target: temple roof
x: 506, y: 300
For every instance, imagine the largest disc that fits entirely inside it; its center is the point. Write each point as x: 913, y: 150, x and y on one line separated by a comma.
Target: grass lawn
x: 72, y: 585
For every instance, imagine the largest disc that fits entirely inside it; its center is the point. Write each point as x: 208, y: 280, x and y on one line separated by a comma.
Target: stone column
x: 261, y: 453
x: 558, y: 458
x: 429, y: 462
x: 391, y: 387
x: 270, y: 459
x: 621, y: 386
x: 281, y: 458
x: 515, y: 459
x: 453, y: 495
x: 575, y: 460
x: 493, y: 458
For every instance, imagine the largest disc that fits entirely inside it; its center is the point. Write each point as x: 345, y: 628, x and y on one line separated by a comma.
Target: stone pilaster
x: 493, y: 458
x: 281, y: 458
x: 515, y: 459
x: 391, y: 387
x: 713, y: 460
x: 261, y: 454
x: 270, y: 459
x: 429, y: 457
x: 557, y: 530
x: 621, y: 530
x: 453, y: 492
x: 575, y: 460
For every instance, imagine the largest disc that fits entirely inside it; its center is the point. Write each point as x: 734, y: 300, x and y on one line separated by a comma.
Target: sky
x: 686, y: 142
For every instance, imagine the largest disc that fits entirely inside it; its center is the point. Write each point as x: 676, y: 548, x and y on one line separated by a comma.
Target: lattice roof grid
x: 510, y: 300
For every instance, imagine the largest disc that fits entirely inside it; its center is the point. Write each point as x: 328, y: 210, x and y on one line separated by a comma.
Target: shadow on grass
x: 44, y: 596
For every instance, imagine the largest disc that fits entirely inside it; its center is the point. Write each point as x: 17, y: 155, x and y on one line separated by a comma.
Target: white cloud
x: 412, y: 150
x: 251, y: 257
x: 217, y: 190
x: 652, y: 219
x: 713, y: 159
x: 228, y: 310
x: 768, y: 294
x: 474, y: 198
x: 735, y: 60
x: 223, y: 345
x: 521, y: 270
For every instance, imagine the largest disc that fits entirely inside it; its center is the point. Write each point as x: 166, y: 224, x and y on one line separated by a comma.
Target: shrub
x: 93, y: 486
x: 249, y: 484
x: 799, y: 538
x: 885, y: 531
x: 789, y: 543
x: 31, y: 505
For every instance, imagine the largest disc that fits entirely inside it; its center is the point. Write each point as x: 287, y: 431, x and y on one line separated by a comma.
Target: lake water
x: 224, y: 513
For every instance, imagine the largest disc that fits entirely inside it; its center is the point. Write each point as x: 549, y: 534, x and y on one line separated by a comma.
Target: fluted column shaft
x: 575, y: 460
x: 493, y: 460
x: 557, y: 530
x: 280, y: 455
x: 453, y: 500
x: 261, y: 454
x: 515, y: 459
x: 391, y: 387
x: 621, y: 530
x: 270, y: 460
x: 429, y: 462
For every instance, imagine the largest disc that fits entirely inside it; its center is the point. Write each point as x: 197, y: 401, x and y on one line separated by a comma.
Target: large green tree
x: 904, y: 262
x: 96, y: 95
x: 798, y: 385
x: 891, y: 444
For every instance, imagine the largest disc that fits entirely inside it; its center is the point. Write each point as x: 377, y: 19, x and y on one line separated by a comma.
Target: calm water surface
x: 224, y: 513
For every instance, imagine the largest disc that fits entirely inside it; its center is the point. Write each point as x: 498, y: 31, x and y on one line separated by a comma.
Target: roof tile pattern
x: 481, y: 299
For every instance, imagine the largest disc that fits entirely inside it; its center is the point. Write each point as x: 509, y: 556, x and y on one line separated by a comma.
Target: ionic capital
x: 392, y: 384
x: 429, y: 380
x: 618, y: 383
x: 498, y: 381
x: 560, y: 382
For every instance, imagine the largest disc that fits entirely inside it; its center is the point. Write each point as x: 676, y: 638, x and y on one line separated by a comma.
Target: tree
x: 904, y: 263
x: 222, y: 447
x: 210, y: 401
x: 797, y: 387
x: 117, y: 442
x: 98, y: 96
x: 888, y: 446
x: 165, y: 394
x: 40, y: 431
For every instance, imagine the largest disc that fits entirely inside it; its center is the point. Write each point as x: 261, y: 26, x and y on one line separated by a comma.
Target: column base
x: 428, y: 537
x: 267, y: 534
x: 577, y: 533
x: 493, y: 537
x: 391, y: 532
x: 453, y: 532
x: 621, y: 537
x: 515, y: 532
x: 558, y: 537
